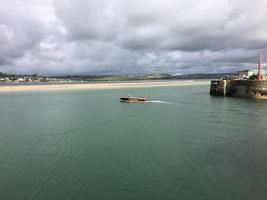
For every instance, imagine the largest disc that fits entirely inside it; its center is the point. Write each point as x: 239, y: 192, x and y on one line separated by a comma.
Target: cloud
x: 131, y: 36
x: 95, y: 20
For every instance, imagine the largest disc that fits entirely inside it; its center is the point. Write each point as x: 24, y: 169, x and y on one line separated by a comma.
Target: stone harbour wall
x: 239, y: 88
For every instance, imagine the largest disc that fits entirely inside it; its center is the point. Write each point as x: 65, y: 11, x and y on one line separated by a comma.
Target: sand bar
x: 95, y: 86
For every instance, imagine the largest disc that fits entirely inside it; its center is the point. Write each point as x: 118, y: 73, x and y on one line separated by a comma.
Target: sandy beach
x: 96, y: 86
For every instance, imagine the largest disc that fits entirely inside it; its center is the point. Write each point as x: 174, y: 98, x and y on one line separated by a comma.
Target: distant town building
x: 245, y: 73
x: 27, y: 79
x: 20, y: 79
x: 255, y: 71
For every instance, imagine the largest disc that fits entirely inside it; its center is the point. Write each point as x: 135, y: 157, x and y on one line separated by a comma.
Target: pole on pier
x: 260, y: 58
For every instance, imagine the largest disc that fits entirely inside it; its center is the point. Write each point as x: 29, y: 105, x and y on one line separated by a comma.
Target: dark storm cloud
x: 131, y: 36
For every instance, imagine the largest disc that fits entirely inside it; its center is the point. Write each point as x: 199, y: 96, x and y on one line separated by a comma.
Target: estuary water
x: 183, y: 144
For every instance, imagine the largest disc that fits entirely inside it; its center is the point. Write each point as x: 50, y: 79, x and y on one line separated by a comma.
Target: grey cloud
x: 96, y: 20
x: 19, y: 31
x: 197, y: 25
x: 131, y: 36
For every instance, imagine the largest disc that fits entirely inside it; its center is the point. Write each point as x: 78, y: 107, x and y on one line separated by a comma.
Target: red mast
x: 260, y: 58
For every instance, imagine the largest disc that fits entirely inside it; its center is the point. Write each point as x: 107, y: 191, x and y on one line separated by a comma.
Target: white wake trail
x: 158, y: 101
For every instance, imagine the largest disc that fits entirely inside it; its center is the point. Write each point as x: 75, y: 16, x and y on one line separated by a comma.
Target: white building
x: 245, y: 73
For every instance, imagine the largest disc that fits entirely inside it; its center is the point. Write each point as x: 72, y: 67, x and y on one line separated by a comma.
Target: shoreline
x: 98, y: 86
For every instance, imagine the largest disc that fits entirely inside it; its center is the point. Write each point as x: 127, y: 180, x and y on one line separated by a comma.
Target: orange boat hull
x: 134, y: 99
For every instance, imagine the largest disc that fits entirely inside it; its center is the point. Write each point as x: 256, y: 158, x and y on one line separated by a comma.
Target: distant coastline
x: 97, y: 86
x: 36, y: 79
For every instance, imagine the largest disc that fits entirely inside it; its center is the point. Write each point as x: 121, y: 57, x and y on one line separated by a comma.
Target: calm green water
x: 88, y: 145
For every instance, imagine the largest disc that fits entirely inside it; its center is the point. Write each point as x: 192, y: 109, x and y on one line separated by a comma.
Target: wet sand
x: 96, y: 86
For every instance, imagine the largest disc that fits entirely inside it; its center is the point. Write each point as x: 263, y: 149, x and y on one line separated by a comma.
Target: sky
x: 126, y: 37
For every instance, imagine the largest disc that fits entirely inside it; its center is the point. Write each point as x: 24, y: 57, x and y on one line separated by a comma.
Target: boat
x: 131, y: 99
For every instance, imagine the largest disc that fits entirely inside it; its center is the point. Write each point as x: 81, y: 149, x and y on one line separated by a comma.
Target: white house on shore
x: 245, y: 73
x: 250, y: 72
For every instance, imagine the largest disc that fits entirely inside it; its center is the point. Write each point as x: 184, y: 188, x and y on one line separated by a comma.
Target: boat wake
x: 158, y: 101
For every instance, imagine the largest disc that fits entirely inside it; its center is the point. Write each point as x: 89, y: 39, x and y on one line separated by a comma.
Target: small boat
x: 131, y: 99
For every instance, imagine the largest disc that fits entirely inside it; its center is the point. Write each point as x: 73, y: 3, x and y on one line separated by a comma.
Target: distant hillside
x: 202, y: 76
x: 146, y: 77
x: 14, y: 77
x: 115, y: 78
